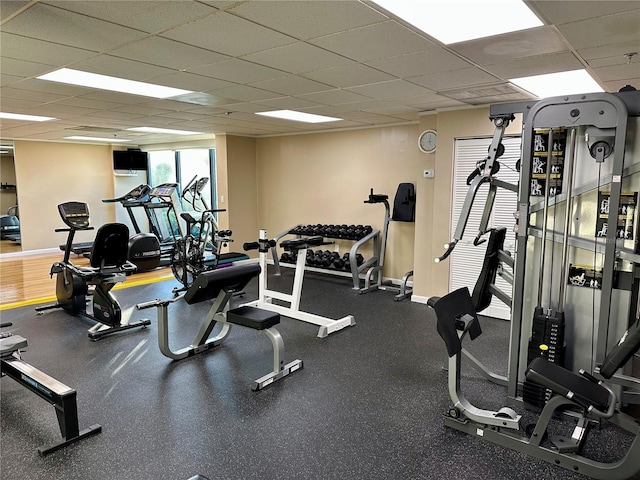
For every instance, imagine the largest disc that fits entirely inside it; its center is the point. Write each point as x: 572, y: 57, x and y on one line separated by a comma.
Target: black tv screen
x: 130, y: 160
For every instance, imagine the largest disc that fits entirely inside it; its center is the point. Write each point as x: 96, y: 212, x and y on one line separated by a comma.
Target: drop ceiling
x: 347, y: 59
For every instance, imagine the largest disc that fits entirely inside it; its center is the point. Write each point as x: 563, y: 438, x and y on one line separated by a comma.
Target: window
x: 162, y: 167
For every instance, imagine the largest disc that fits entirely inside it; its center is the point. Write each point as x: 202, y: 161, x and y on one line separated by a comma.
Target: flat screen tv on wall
x: 130, y: 160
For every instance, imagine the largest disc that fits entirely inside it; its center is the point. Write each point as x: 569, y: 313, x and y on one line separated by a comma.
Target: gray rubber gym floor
x: 368, y: 403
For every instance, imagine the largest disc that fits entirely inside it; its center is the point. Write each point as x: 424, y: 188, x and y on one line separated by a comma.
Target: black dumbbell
x: 338, y: 263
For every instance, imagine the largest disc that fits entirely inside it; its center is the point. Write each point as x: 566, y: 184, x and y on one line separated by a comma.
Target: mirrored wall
x: 9, y: 212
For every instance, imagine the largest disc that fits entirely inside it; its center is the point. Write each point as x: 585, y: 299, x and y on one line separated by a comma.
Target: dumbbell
x: 287, y: 257
x: 310, y: 258
x: 327, y: 260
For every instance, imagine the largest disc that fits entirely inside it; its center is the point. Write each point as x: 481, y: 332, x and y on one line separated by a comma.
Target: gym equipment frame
x: 62, y: 397
x: 221, y: 285
x: 603, y: 120
x: 266, y: 296
x: 587, y: 398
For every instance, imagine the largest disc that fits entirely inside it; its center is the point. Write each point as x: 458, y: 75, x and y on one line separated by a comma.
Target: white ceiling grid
x: 347, y: 59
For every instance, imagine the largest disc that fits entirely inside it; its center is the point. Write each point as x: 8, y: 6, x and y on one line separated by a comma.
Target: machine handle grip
x: 449, y: 248
x: 250, y: 246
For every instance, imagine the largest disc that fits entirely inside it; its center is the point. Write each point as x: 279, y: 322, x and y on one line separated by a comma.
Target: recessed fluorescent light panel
x: 114, y: 84
x: 452, y: 21
x: 561, y: 83
x: 299, y: 116
x: 163, y: 130
x: 97, y: 139
x: 28, y: 118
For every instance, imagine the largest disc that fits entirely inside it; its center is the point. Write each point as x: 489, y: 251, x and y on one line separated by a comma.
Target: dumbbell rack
x: 356, y: 270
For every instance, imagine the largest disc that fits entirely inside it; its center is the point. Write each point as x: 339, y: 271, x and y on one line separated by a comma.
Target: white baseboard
x: 42, y: 251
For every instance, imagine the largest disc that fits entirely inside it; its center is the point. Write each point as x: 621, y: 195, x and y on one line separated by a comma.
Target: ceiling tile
x: 288, y: 103
x: 297, y: 58
x: 373, y: 41
x: 333, y: 97
x: 39, y: 51
x: 455, y: 79
x: 6, y: 80
x: 9, y: 7
x: 121, y: 68
x: 509, y: 46
x: 564, y: 11
x: 53, y: 88
x: 167, y: 53
x: 190, y: 81
x: 305, y: 20
x: 227, y: 34
x: 618, y: 49
x: 238, y: 71
x: 537, y: 65
x: 618, y: 72
x: 30, y: 95
x: 52, y: 24
x: 150, y: 16
x: 389, y: 89
x: 349, y: 75
x: 23, y: 68
x: 292, y: 85
x: 246, y: 93
x: 605, y: 30
x: 420, y: 63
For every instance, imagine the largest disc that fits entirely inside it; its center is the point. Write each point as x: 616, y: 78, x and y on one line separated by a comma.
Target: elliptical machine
x: 108, y: 266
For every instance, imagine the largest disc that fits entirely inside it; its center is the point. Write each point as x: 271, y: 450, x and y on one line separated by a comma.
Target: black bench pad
x: 562, y: 381
x: 252, y: 317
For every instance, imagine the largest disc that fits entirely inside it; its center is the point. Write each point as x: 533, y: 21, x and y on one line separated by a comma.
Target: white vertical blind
x: 465, y: 263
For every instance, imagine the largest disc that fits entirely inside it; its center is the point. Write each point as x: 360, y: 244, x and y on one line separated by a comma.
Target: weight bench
x: 62, y: 397
x: 220, y: 285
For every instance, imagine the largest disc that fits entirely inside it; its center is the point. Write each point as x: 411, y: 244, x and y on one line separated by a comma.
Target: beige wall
x: 433, y: 223
x: 48, y: 174
x: 238, y: 155
x: 326, y: 177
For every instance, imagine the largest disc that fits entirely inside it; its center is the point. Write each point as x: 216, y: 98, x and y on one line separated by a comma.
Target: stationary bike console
x: 75, y: 215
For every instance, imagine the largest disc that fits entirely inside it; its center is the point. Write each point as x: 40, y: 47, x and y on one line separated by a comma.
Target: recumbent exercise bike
x: 108, y: 267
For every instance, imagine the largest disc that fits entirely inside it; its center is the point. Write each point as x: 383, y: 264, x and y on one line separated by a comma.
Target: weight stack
x: 546, y: 341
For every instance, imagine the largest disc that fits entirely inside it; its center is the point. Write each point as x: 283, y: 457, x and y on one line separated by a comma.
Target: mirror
x: 9, y: 214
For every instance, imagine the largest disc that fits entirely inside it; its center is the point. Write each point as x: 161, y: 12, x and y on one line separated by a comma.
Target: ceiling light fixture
x: 114, y: 84
x: 28, y: 118
x: 455, y: 21
x: 299, y: 116
x: 163, y: 130
x: 97, y: 139
x: 561, y: 83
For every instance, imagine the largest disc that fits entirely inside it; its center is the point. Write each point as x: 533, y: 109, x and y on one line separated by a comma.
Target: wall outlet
x: 429, y: 174
x: 221, y: 198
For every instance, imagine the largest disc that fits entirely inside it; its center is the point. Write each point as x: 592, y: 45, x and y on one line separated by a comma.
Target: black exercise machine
x: 62, y: 397
x: 144, y: 248
x: 108, y: 266
x: 587, y: 399
x: 220, y: 285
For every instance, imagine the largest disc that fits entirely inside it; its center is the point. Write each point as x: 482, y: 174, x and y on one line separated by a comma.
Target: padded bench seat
x: 562, y: 381
x: 252, y: 317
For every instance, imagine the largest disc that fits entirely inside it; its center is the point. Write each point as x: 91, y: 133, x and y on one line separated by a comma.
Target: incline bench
x: 220, y: 285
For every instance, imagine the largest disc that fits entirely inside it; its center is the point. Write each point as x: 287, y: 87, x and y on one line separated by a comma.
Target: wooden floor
x: 25, y: 279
